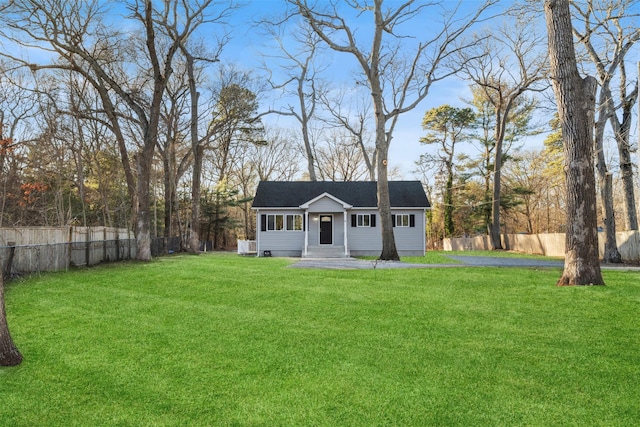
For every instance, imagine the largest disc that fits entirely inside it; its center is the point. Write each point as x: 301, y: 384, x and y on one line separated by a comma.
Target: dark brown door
x: 326, y: 230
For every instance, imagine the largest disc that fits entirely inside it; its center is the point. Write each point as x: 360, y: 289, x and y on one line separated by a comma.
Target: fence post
x: 6, y: 270
x: 117, y: 244
x: 87, y: 247
x: 105, y: 256
x: 70, y: 252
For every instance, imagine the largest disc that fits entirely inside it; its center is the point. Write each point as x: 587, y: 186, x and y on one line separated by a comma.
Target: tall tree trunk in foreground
x: 9, y: 354
x: 576, y: 103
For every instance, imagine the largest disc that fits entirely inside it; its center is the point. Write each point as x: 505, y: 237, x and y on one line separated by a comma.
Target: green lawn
x: 224, y: 340
x: 441, y: 257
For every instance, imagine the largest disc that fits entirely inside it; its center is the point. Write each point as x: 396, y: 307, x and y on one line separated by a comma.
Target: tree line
x: 125, y: 113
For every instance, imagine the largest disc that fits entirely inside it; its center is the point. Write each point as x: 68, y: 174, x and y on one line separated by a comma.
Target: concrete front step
x: 325, y: 252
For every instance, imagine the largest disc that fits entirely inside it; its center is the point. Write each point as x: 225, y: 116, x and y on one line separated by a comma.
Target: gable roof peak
x: 326, y: 195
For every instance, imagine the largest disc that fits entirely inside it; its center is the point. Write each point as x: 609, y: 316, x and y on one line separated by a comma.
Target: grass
x: 230, y: 341
x: 442, y: 257
x: 430, y: 257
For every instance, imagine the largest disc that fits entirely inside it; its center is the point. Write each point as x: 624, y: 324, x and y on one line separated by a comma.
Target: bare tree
x: 9, y: 354
x: 173, y: 146
x: 608, y: 33
x: 340, y: 158
x: 398, y: 73
x: 575, y: 97
x: 300, y: 82
x: 17, y: 107
x: 606, y: 23
x: 74, y: 32
x: 525, y: 177
x: 278, y: 159
x: 507, y: 63
x: 605, y: 180
x: 352, y: 112
x: 198, y: 54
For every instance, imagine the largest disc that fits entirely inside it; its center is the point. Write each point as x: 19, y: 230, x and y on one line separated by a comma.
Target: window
x: 281, y: 222
x: 402, y: 220
x: 363, y: 220
x: 294, y: 222
x: 275, y: 222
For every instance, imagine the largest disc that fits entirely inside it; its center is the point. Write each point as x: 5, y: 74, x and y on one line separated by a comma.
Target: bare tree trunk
x: 143, y: 219
x: 196, y: 187
x: 389, y: 250
x: 448, y: 205
x: 576, y: 100
x: 607, y: 42
x: 194, y: 239
x: 9, y: 354
x: 611, y: 253
x: 626, y: 166
x: 168, y: 161
x: 494, y: 227
x: 311, y: 167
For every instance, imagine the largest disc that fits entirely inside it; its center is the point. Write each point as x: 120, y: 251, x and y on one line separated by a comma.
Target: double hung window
x: 282, y: 222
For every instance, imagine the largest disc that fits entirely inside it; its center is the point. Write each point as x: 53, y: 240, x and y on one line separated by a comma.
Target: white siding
x: 338, y: 229
x: 325, y: 205
x: 364, y: 238
x: 314, y: 230
x: 361, y: 240
x: 368, y: 240
x: 410, y: 238
x: 279, y: 240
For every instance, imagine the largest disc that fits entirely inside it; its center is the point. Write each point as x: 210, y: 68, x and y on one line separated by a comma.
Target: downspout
x: 258, y: 231
x: 346, y: 242
x: 424, y: 231
x: 306, y: 232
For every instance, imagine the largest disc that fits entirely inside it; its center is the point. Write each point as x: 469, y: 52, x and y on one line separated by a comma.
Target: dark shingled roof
x: 278, y: 194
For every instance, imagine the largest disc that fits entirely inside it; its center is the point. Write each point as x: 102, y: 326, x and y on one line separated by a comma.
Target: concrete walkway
x: 356, y: 264
x: 463, y: 261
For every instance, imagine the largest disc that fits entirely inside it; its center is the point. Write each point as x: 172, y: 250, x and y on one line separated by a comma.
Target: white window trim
x: 275, y: 222
x: 400, y: 220
x: 284, y: 222
x: 360, y: 220
x: 301, y: 222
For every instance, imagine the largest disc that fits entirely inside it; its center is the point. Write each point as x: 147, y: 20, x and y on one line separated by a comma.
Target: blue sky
x: 247, y: 45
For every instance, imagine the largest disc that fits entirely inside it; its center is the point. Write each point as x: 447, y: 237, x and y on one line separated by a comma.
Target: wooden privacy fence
x: 38, y: 249
x: 552, y: 244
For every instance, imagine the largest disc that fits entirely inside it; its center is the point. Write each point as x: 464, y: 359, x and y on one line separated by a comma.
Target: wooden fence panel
x: 40, y: 249
x: 551, y: 244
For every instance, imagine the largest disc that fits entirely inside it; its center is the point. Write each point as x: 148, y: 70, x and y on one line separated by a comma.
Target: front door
x: 326, y: 229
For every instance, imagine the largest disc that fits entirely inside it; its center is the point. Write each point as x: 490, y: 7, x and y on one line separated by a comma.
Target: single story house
x: 336, y: 219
